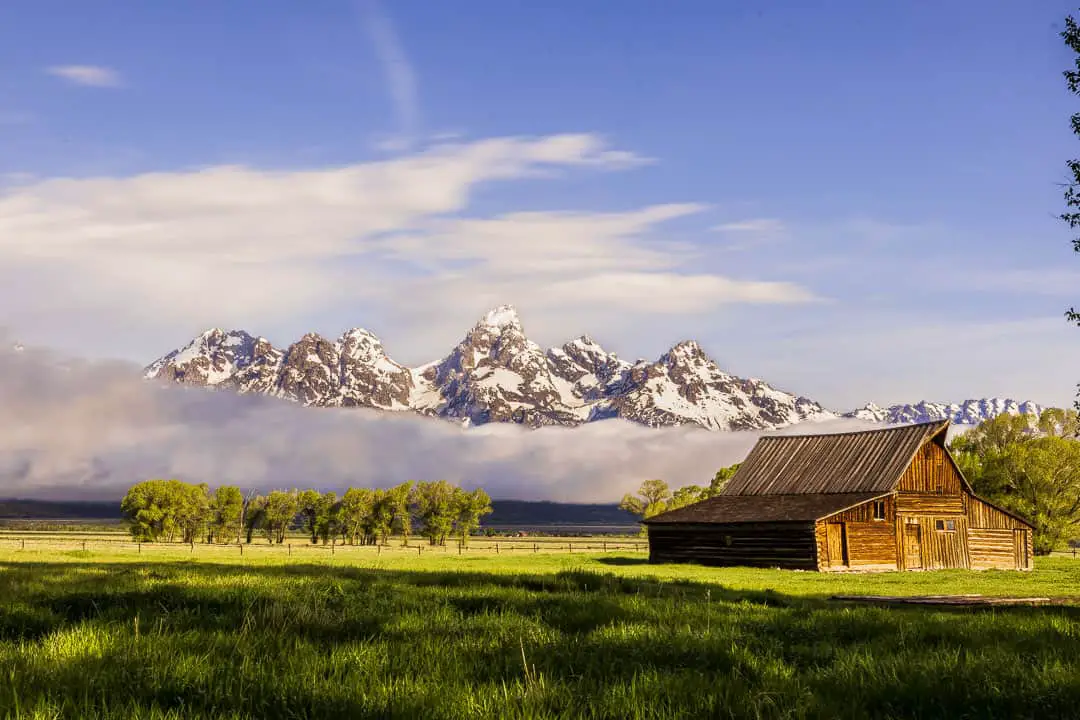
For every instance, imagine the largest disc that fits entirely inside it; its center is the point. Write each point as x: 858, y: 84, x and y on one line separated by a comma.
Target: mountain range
x: 496, y: 374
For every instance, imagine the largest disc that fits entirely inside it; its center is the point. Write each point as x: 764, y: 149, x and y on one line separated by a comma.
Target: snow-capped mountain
x: 969, y: 412
x: 495, y: 374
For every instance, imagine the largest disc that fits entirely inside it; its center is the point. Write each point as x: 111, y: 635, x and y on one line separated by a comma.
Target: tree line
x: 171, y: 510
x: 1030, y: 466
x: 655, y: 497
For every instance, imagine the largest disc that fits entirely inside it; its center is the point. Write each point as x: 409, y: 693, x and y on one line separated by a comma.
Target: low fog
x: 86, y: 430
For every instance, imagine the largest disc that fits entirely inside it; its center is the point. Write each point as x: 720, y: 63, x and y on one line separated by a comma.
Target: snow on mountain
x: 968, y: 412
x: 497, y: 374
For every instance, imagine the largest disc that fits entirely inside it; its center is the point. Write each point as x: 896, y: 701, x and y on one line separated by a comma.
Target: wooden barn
x: 891, y: 499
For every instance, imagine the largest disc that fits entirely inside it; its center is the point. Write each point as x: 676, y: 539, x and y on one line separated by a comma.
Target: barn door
x: 836, y: 535
x: 1020, y: 549
x: 912, y: 547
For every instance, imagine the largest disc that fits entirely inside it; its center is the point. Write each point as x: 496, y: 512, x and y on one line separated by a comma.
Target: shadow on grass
x: 622, y: 561
x: 309, y: 640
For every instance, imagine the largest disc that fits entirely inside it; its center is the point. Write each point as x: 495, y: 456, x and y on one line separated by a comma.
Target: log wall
x: 871, y: 544
x: 777, y: 544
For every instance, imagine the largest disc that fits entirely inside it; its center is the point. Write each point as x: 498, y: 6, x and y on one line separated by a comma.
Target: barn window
x: 945, y: 525
x: 727, y: 540
x: 879, y: 509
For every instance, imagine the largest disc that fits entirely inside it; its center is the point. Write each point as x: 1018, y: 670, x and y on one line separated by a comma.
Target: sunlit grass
x: 534, y: 635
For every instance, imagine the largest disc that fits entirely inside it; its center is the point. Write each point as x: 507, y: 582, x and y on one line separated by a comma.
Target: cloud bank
x: 94, y: 258
x: 78, y: 429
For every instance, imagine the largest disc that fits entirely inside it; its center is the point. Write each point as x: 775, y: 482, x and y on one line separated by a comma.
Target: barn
x: 889, y: 499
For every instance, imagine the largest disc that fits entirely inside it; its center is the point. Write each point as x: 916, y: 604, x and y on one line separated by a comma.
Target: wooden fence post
x: 331, y: 549
x: 605, y: 546
x: 140, y: 548
x: 535, y: 547
x: 378, y: 551
x: 571, y: 547
x: 24, y: 547
x: 496, y: 548
x: 419, y: 550
x: 241, y: 550
x: 290, y: 549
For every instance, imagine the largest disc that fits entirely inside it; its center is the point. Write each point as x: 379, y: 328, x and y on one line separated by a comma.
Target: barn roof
x: 761, y: 508
x: 869, y: 461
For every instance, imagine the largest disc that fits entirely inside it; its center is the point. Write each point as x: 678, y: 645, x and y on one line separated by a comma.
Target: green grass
x: 117, y: 635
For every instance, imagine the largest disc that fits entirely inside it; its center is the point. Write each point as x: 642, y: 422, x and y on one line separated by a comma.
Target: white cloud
x: 756, y: 225
x: 88, y: 75
x: 236, y: 246
x: 79, y: 429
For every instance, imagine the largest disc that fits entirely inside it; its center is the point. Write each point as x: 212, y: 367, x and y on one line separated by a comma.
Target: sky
x: 853, y: 201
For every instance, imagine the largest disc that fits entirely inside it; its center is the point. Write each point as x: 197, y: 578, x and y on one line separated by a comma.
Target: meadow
x: 173, y: 632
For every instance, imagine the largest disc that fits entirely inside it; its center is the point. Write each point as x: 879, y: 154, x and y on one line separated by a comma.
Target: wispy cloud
x: 399, y: 75
x: 87, y: 75
x: 756, y: 225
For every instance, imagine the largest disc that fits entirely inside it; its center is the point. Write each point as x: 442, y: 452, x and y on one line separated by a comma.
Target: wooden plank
x: 961, y: 600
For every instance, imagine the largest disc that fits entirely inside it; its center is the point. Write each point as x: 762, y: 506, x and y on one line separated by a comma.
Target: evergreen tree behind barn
x: 890, y: 499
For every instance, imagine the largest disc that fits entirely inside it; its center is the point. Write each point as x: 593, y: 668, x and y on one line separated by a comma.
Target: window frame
x: 874, y: 511
x: 944, y: 525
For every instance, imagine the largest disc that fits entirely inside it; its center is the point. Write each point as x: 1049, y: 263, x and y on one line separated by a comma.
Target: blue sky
x: 861, y: 196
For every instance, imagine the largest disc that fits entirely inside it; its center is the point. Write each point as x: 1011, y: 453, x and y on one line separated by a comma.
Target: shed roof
x: 869, y: 461
x: 761, y: 508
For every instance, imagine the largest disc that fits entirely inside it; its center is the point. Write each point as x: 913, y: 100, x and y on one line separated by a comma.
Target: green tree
x: 328, y: 519
x: 226, y: 513
x: 1071, y: 36
x: 355, y: 509
x: 148, y: 508
x: 720, y: 481
x: 254, y: 516
x: 280, y: 512
x: 434, y: 507
x: 469, y: 507
x: 1030, y: 466
x: 1039, y: 479
x: 310, y: 503
x: 652, y: 499
x: 401, y: 498
x: 687, y: 495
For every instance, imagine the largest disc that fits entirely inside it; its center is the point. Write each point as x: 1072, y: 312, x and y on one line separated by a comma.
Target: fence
x: 420, y: 548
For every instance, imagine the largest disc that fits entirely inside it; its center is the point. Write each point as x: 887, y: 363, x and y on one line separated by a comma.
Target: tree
x: 309, y: 503
x: 355, y: 508
x: 401, y: 500
x: 1029, y: 466
x: 148, y: 509
x: 1040, y: 480
x: 226, y: 513
x: 328, y: 518
x: 652, y: 499
x: 720, y: 480
x: 254, y: 515
x: 279, y: 514
x: 1071, y: 36
x: 469, y: 507
x: 434, y: 507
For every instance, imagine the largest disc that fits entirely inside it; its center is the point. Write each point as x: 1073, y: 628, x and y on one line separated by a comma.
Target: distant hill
x: 54, y: 510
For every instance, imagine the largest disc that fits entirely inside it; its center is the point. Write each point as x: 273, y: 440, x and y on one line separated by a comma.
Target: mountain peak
x: 502, y: 316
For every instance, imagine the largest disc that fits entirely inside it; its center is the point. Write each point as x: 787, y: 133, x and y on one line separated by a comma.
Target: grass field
x: 114, y: 634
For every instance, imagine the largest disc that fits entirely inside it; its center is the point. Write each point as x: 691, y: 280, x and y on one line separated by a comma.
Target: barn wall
x: 785, y: 545
x: 930, y: 470
x: 871, y: 544
x: 994, y: 539
x: 942, y: 549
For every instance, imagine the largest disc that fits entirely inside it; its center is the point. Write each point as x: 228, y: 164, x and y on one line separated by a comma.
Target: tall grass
x: 87, y: 636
